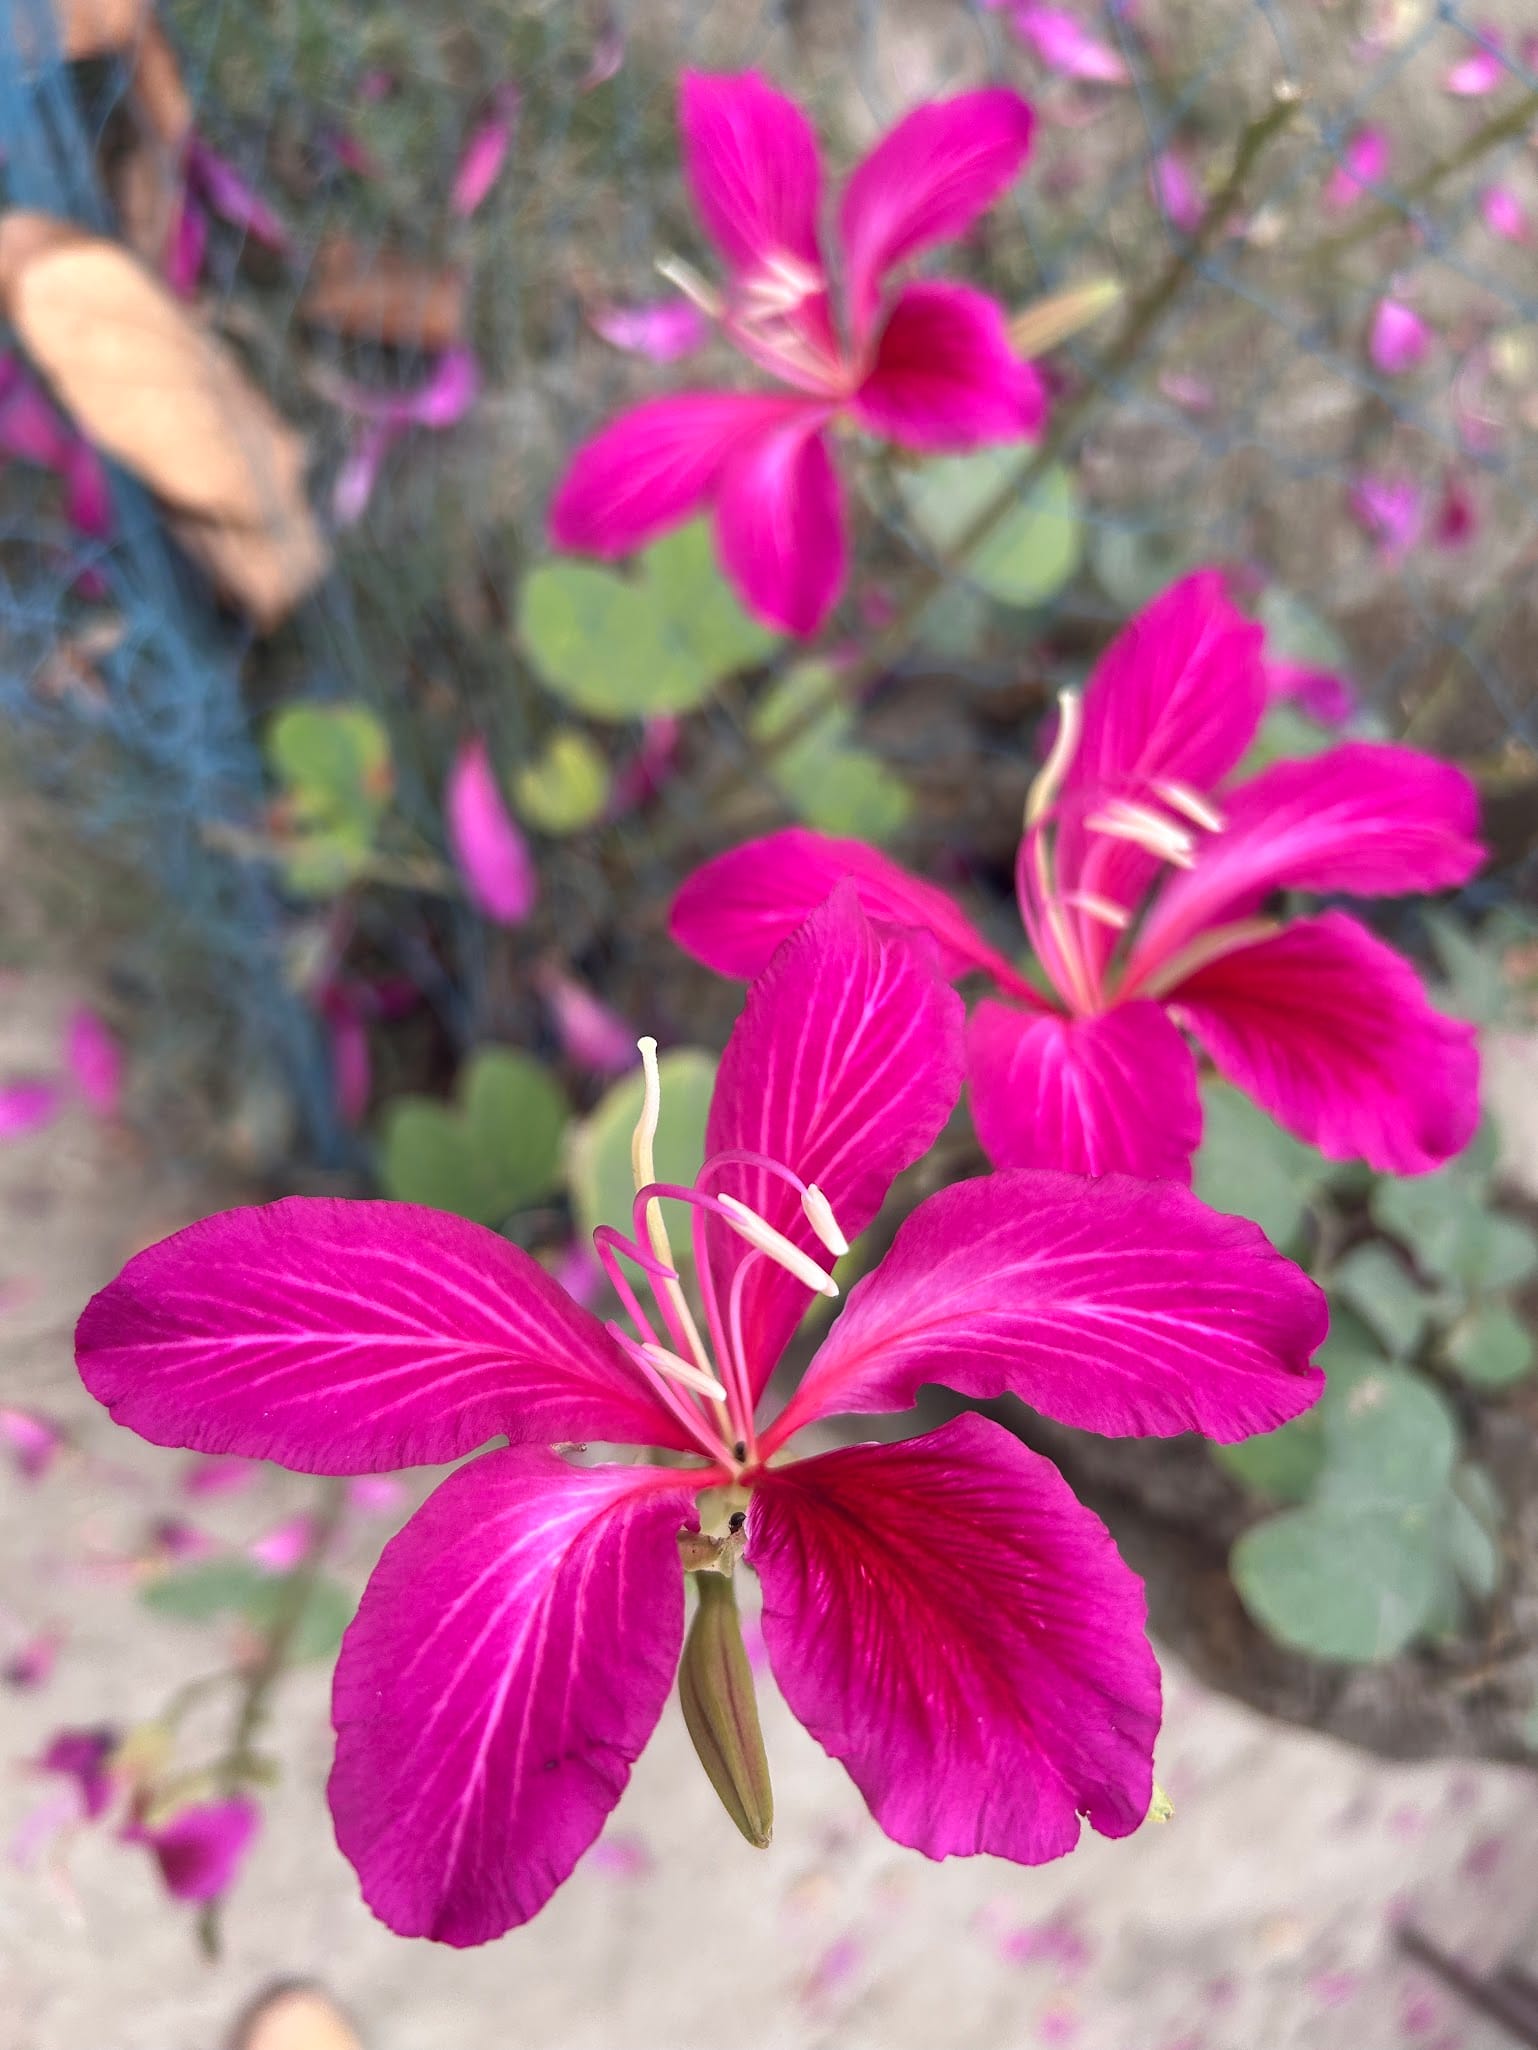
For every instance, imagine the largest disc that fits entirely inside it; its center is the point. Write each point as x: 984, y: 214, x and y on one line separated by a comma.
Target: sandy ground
x: 1261, y: 1918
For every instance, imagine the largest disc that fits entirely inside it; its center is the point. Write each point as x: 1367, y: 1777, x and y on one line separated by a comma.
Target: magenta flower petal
x: 780, y: 523
x: 926, y: 182
x: 1365, y: 162
x: 485, y: 153
x: 976, y: 1712
x: 1365, y: 819
x: 510, y: 1659
x: 1328, y: 699
x: 1065, y: 45
x: 489, y: 849
x: 753, y: 167
x: 26, y: 1107
x: 733, y: 913
x: 1331, y: 1032
x: 945, y: 376
x: 84, y: 1758
x: 200, y: 1849
x: 1111, y: 1094
x: 653, y: 467
x: 95, y: 1061
x: 1119, y: 1306
x: 662, y: 330
x: 343, y: 1337
x: 844, y: 1065
x: 1399, y: 339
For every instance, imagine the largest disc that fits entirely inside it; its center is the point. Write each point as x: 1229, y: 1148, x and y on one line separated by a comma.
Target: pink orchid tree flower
x: 927, y: 365
x: 517, y: 1642
x: 1144, y: 878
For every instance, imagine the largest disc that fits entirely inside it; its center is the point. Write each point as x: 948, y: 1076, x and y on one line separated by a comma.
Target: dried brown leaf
x: 379, y: 296
x: 264, y: 570
x: 84, y: 28
x: 295, y: 2018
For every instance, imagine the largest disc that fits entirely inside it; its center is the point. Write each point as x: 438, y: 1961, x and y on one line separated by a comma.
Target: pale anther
x: 761, y: 1234
x: 669, y: 1363
x: 1192, y: 805
x: 1049, y: 779
x: 819, y: 1215
x: 1100, y: 908
x: 1147, y: 829
x: 695, y: 288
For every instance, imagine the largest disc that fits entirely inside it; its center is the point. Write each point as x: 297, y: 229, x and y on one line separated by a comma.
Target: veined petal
x: 960, y: 1633
x: 751, y: 159
x: 508, y: 1663
x: 652, y: 468
x: 1175, y: 700
x: 780, y: 521
x: 945, y: 376
x: 1331, y: 1031
x: 1119, y: 1306
x: 343, y: 1337
x: 1113, y: 1094
x: 1367, y: 820
x: 844, y: 1066
x: 926, y: 182
x: 733, y: 913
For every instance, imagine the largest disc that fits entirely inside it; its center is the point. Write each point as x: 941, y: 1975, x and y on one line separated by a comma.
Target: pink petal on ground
x: 442, y: 399
x: 662, y: 330
x: 1193, y: 393
x: 735, y: 911
x: 1399, y: 339
x: 1326, y: 698
x: 201, y: 1848
x: 592, y: 1036
x: 508, y: 1663
x: 87, y: 494
x: 945, y: 377
x: 1480, y: 72
x: 282, y: 1547
x: 648, y: 768
x: 34, y: 1441
x: 926, y: 182
x: 84, y: 1758
x: 209, y: 1476
x: 489, y: 849
x: 843, y: 1067
x: 485, y: 153
x: 1367, y: 819
x: 1390, y: 510
x: 753, y: 169
x: 349, y: 1337
x: 95, y: 1061
x: 31, y: 1665
x: 186, y: 248
x: 358, y: 477
x: 173, y: 1541
x: 1331, y: 1031
x: 31, y: 427
x: 1504, y: 214
x: 780, y: 523
x: 1364, y: 162
x: 969, y: 1724
x: 1119, y: 1306
x: 1113, y: 1094
x: 608, y: 55
x: 1457, y: 514
x: 375, y: 1494
x: 1177, y: 191
x: 652, y: 467
x: 230, y: 194
x: 1065, y: 45
x: 26, y: 1107
x: 621, y: 1855
x: 352, y: 1070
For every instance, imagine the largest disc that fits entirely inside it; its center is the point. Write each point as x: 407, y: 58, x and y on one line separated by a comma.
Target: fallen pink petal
x: 489, y: 849
x: 27, y: 1107
x: 1320, y: 693
x: 486, y: 153
x: 1175, y: 187
x: 1390, y: 510
x: 280, y: 1549
x: 31, y: 1665
x: 227, y: 192
x: 33, y: 1440
x: 1363, y: 164
x: 662, y: 330
x: 95, y: 1062
x: 1065, y: 45
x: 1479, y: 73
x: 1504, y: 214
x: 1399, y: 340
x: 200, y: 1849
x: 591, y: 1035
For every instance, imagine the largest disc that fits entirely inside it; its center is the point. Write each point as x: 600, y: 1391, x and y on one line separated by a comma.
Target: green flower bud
x: 715, y: 1686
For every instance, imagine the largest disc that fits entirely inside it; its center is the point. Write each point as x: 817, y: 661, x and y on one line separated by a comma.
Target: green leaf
x: 1350, y: 1585
x: 236, y: 1587
x: 567, y: 787
x: 656, y: 641
x: 1030, y: 554
x: 1134, y: 564
x: 1472, y: 965
x: 1375, y: 1282
x: 1470, y: 1532
x: 598, y: 1148
x: 1492, y: 1347
x: 1499, y: 1252
x: 1390, y: 1439
x: 1296, y: 633
x: 325, y: 1615
x: 1286, y: 735
x: 836, y: 787
x: 1283, y: 1464
x: 497, y: 1152
x: 334, y: 764
x: 1431, y: 1214
x: 1250, y: 1167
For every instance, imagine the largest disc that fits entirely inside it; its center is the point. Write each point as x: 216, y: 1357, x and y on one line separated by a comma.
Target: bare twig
x: 1505, y: 127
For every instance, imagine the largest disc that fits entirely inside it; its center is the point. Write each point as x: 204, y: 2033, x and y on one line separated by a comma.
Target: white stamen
x: 758, y: 1232
x: 1049, y: 779
x: 694, y: 287
x: 1147, y: 829
x: 1194, y: 807
x: 819, y: 1215
x: 784, y: 283
x: 1100, y: 908
x: 668, y: 1362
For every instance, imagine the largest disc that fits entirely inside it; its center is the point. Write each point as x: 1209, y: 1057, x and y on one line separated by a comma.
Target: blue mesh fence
x: 1239, y: 433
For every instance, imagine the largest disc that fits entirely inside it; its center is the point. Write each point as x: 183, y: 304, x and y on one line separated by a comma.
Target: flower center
x: 706, y: 1383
